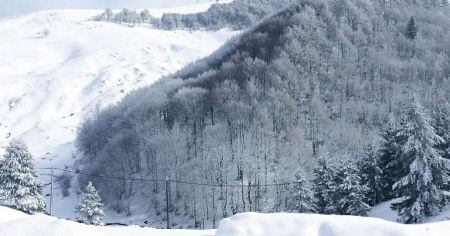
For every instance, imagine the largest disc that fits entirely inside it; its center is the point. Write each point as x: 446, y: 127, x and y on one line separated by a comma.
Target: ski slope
x: 247, y: 224
x: 58, y: 67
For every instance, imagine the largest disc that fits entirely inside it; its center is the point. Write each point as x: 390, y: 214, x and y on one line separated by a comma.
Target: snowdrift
x: 14, y: 223
x: 256, y: 224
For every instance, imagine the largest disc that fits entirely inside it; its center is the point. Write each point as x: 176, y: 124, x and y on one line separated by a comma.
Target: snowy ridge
x: 58, y: 67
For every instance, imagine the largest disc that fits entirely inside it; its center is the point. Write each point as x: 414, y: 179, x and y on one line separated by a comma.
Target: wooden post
x: 167, y: 203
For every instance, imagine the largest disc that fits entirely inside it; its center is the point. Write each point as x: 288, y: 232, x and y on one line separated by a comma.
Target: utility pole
x: 51, y: 191
x: 167, y: 202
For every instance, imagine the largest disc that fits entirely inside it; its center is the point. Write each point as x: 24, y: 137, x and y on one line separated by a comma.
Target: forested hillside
x: 319, y: 82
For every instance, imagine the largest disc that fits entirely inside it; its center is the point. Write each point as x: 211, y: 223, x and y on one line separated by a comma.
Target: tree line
x: 237, y: 15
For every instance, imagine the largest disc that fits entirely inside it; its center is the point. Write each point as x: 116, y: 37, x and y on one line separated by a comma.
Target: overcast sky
x: 16, y: 7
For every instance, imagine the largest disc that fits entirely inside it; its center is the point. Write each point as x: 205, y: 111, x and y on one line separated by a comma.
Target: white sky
x: 17, y: 7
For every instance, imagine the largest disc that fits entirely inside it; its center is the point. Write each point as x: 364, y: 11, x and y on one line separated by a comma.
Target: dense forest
x: 358, y: 89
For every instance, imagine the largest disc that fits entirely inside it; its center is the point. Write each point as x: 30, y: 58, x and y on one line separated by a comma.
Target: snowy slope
x: 247, y: 224
x: 57, y: 68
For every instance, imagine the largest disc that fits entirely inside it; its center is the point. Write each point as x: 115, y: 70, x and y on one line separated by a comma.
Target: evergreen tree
x: 411, y: 29
x: 420, y: 190
x: 370, y: 174
x: 89, y: 209
x: 389, y: 163
x: 19, y: 184
x: 323, y: 178
x: 441, y: 124
x: 301, y: 197
x: 350, y: 191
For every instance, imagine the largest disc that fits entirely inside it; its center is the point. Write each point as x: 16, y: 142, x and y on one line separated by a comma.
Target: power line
x: 174, y: 181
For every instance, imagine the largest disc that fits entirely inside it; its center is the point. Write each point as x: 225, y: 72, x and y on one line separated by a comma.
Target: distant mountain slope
x: 58, y: 67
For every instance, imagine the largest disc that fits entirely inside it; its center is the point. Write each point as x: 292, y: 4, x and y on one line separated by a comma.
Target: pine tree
x: 323, y: 179
x: 19, y: 184
x: 350, y: 192
x: 89, y: 209
x: 301, y: 197
x: 419, y: 192
x: 411, y: 29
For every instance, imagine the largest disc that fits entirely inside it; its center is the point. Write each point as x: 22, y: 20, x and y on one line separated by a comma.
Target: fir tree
x: 370, y: 174
x: 350, y: 192
x: 391, y: 167
x: 89, y: 209
x: 19, y: 184
x: 323, y: 178
x: 301, y: 197
x: 411, y: 29
x: 420, y: 190
x: 441, y: 124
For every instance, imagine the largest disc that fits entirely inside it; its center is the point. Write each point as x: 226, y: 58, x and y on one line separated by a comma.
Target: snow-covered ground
x: 384, y: 211
x: 248, y: 224
x: 58, y: 67
x: 14, y: 223
x: 255, y: 224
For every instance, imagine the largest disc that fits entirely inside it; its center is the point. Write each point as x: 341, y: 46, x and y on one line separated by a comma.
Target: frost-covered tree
x: 441, y: 124
x: 370, y: 174
x: 90, y: 207
x: 145, y: 15
x: 19, y: 184
x: 420, y: 191
x: 109, y: 14
x: 323, y: 180
x: 391, y: 167
x: 301, y: 197
x: 349, y: 191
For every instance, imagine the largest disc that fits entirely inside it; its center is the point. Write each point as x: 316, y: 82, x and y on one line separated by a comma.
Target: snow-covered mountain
x: 59, y: 67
